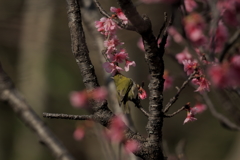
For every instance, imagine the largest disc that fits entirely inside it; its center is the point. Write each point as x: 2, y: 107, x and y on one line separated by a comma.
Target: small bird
x: 126, y: 90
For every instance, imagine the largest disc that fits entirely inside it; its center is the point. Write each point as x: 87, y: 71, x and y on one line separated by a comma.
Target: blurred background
x: 35, y: 51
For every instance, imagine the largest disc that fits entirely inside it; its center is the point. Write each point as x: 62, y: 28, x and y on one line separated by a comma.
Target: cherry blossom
x: 221, y: 37
x: 120, y: 14
x: 194, y: 26
x: 116, y: 129
x: 217, y: 74
x: 79, y: 134
x: 189, y: 66
x: 79, y: 99
x: 190, y: 117
x: 131, y: 146
x: 120, y: 57
x: 203, y: 84
x: 190, y: 5
x: 177, y: 37
x: 99, y: 93
x: 168, y: 80
x: 128, y: 64
x: 198, y: 108
x: 142, y: 94
x: 184, y: 55
x: 111, y: 44
x: 111, y: 68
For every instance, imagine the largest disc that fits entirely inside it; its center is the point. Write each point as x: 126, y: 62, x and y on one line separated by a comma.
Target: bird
x: 126, y: 88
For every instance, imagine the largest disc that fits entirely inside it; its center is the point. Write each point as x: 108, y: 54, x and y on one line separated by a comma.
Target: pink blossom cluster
x: 227, y: 73
x: 194, y: 26
x: 158, y: 1
x: 230, y: 11
x: 191, y: 66
x: 80, y: 99
x: 191, y: 112
x: 79, y: 132
x: 113, y: 54
x: 116, y: 134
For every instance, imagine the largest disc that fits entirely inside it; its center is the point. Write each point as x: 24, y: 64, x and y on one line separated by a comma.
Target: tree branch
x: 68, y: 116
x: 25, y: 113
x: 101, y: 112
x: 173, y: 100
x: 154, y: 59
x: 174, y: 113
x: 229, y: 44
x: 118, y: 21
x: 226, y: 122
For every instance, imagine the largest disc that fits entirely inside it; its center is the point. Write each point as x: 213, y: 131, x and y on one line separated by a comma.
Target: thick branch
x: 25, y: 113
x: 68, y: 116
x: 153, y: 57
x: 80, y: 51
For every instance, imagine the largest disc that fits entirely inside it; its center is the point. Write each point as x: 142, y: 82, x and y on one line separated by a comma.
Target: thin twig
x: 229, y: 44
x: 174, y: 113
x: 226, y: 122
x: 139, y: 106
x: 118, y: 21
x: 67, y: 116
x: 173, y: 100
x: 165, y: 34
x: 102, y: 11
x: 27, y: 115
x: 163, y: 26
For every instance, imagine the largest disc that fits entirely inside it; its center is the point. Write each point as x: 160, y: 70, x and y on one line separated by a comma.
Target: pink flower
x: 142, y: 93
x: 230, y: 11
x: 203, y: 84
x: 194, y: 26
x: 79, y: 133
x: 198, y: 108
x: 128, y: 64
x: 184, y: 55
x: 111, y: 68
x: 131, y: 146
x: 235, y: 61
x: 99, y: 93
x: 175, y: 34
x: 141, y: 46
x: 190, y: 117
x: 217, y: 74
x: 221, y: 37
x: 110, y: 26
x: 168, y: 80
x: 100, y: 24
x: 116, y: 130
x: 190, y: 5
x: 111, y: 44
x: 157, y: 1
x: 189, y: 66
x: 120, y: 57
x: 79, y: 99
x: 120, y: 14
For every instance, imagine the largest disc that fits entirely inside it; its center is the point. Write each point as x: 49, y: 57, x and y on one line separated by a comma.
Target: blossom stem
x: 174, y: 113
x: 139, y: 106
x: 173, y: 100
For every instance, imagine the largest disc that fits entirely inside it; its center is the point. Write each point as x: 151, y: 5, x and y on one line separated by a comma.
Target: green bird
x: 125, y: 89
